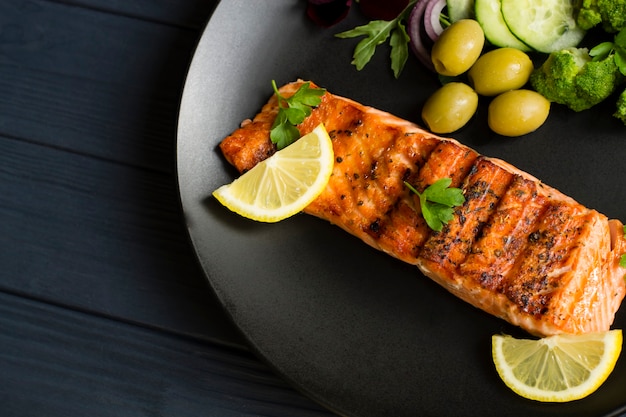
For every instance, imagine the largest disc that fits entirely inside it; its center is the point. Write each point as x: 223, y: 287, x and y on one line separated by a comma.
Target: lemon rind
x: 613, y: 345
x: 225, y: 197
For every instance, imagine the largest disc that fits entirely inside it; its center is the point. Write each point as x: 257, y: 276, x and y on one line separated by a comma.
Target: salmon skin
x: 517, y: 248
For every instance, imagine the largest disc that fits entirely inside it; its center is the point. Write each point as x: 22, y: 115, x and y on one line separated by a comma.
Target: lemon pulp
x: 285, y: 183
x: 557, y: 368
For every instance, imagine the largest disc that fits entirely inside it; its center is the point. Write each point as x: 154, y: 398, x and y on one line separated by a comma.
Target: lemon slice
x: 285, y: 183
x: 556, y: 368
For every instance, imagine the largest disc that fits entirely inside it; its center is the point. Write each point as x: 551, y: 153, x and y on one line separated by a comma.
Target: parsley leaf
x: 399, y: 49
x: 377, y: 32
x: 620, y: 50
x: 617, y: 48
x: 601, y: 51
x: 292, y: 111
x: 438, y: 201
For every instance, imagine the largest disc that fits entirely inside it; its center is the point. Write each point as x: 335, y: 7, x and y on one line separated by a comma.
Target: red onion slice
x: 414, y: 30
x: 432, y: 24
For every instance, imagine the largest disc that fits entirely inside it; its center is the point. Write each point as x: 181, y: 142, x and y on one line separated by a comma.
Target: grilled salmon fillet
x: 517, y: 248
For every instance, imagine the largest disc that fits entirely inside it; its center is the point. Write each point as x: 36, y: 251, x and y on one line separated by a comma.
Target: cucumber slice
x: 489, y: 16
x: 544, y: 25
x: 460, y: 9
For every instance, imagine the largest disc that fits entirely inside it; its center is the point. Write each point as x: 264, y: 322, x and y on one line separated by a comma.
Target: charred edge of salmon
x: 517, y: 248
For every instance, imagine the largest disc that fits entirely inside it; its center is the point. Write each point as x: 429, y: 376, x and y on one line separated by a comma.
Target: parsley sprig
x: 292, y: 111
x: 377, y: 32
x: 438, y: 201
x: 617, y: 48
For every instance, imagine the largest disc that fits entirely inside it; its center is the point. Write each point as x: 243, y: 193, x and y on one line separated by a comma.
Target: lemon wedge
x: 557, y: 368
x: 285, y: 183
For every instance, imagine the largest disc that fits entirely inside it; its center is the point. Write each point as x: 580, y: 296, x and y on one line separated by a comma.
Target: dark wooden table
x: 104, y: 310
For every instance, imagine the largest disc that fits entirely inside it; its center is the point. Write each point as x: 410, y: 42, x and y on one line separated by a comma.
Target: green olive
x: 500, y: 70
x: 517, y: 112
x: 458, y: 47
x: 450, y: 107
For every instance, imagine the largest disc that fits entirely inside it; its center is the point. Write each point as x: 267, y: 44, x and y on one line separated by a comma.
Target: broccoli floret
x: 588, y: 15
x: 610, y: 13
x: 570, y: 77
x: 621, y: 107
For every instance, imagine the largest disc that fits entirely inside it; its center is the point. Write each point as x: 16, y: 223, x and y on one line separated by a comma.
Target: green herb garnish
x: 617, y: 48
x: 438, y: 201
x: 377, y: 32
x: 292, y: 111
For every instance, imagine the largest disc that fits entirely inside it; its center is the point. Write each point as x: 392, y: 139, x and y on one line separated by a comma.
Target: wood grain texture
x: 100, y: 236
x: 58, y: 362
x: 103, y: 308
x: 187, y: 14
x: 92, y: 82
x: 89, y: 199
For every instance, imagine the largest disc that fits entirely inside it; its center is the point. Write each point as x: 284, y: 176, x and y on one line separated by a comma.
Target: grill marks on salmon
x: 502, y: 240
x: 516, y: 248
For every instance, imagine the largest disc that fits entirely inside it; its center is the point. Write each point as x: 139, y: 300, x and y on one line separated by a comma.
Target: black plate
x: 358, y: 331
